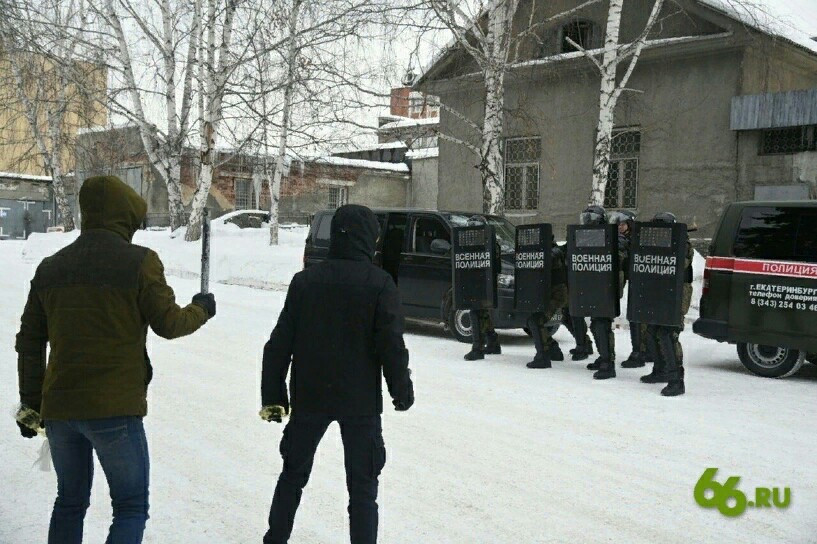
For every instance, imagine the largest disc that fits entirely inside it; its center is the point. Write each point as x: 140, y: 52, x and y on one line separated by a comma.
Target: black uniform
x: 341, y: 329
x: 577, y: 326
x: 602, y: 327
x: 662, y: 341
x: 484, y: 338
x: 546, y: 348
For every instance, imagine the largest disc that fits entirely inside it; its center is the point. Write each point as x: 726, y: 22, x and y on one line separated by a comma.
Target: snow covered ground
x: 491, y: 453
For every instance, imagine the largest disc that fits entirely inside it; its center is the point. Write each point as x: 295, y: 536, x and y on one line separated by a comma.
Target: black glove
x: 406, y: 402
x: 206, y: 301
x: 26, y: 432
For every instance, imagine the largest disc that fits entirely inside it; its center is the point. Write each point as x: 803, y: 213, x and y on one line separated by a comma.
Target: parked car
x: 415, y: 248
x: 760, y: 285
x: 252, y: 219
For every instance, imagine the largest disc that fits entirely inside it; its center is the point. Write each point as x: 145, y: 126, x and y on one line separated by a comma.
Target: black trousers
x: 364, y: 456
x: 576, y: 325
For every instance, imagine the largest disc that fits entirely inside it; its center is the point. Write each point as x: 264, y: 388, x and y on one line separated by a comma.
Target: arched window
x: 581, y: 32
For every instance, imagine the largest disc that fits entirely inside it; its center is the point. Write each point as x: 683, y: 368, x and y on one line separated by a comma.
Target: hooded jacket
x: 341, y: 330
x: 92, y: 302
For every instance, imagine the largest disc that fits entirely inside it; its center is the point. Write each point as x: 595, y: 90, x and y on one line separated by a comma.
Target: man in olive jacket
x: 92, y: 302
x: 341, y: 331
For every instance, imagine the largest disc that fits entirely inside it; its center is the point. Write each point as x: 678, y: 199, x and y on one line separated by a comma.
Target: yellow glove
x: 274, y: 413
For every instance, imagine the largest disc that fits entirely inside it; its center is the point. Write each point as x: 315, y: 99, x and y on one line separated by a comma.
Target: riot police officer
x: 485, y: 340
x: 625, y: 219
x: 602, y: 327
x: 547, y: 349
x: 663, y: 340
x: 577, y: 326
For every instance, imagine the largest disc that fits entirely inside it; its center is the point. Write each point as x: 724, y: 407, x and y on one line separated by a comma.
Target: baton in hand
x: 205, y: 251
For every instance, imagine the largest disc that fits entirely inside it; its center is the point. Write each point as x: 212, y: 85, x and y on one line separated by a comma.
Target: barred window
x: 780, y: 141
x: 622, y: 178
x: 244, y: 194
x: 580, y: 32
x: 522, y: 173
x: 337, y: 197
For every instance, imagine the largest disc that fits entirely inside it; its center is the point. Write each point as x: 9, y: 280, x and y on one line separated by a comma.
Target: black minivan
x: 760, y: 285
x: 415, y: 248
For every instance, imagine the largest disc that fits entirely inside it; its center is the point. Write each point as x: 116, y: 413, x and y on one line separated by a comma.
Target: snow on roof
x: 408, y: 122
x: 425, y: 153
x: 374, y: 147
x: 794, y: 20
x: 358, y: 163
x: 24, y: 177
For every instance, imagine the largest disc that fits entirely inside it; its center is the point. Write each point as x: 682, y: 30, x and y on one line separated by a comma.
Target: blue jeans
x: 122, y: 449
x: 364, y: 457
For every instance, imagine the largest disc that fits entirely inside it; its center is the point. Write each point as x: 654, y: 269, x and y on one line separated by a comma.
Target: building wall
x: 26, y: 206
x: 424, y: 183
x: 380, y: 190
x: 18, y: 149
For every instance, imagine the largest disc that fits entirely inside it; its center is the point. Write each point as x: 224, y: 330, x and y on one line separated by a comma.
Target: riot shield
x: 532, y: 268
x: 592, y: 270
x: 656, y: 267
x: 474, y: 260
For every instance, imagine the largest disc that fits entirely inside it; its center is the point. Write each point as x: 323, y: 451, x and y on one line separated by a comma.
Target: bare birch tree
x: 178, y: 25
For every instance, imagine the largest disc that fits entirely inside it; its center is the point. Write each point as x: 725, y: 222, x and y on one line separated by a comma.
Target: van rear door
x: 773, y: 264
x: 317, y: 243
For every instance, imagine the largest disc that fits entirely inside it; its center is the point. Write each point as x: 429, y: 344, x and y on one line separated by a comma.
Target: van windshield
x: 780, y: 233
x: 505, y: 231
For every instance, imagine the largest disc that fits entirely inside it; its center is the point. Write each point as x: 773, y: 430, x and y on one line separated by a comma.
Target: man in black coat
x: 341, y: 326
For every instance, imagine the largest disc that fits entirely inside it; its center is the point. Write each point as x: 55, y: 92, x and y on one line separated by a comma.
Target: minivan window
x: 776, y: 233
x: 426, y: 230
x: 324, y: 229
x: 504, y: 229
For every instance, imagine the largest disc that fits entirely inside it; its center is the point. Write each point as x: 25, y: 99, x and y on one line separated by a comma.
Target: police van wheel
x: 770, y: 361
x: 457, y: 322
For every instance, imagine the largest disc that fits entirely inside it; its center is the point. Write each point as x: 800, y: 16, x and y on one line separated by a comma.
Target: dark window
x: 780, y: 141
x: 788, y: 234
x: 580, y: 32
x: 426, y: 230
x: 622, y: 178
x: 338, y: 196
x: 324, y: 230
x: 244, y: 195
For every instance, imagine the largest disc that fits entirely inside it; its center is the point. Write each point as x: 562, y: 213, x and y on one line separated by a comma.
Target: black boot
x: 554, y: 352
x: 492, y: 346
x: 674, y: 388
x: 605, y: 365
x: 582, y: 351
x: 659, y: 367
x: 476, y: 352
x: 607, y: 370
x: 657, y: 375
x: 635, y: 360
x: 541, y: 360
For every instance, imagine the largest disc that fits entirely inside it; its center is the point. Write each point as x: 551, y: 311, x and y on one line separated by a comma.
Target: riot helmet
x: 476, y: 221
x: 593, y: 215
x: 665, y: 217
x: 622, y: 216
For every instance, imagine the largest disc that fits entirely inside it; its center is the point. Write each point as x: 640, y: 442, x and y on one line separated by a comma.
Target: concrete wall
x: 26, y: 206
x: 380, y: 190
x: 687, y: 159
x: 424, y: 183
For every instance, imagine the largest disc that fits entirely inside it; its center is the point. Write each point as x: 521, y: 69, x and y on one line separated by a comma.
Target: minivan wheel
x: 459, y: 325
x: 770, y: 361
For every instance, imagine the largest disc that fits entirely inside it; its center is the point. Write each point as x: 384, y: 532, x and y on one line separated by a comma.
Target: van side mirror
x: 440, y: 246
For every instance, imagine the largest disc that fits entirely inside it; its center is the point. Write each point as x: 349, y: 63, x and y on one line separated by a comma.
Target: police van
x: 415, y: 248
x: 760, y: 285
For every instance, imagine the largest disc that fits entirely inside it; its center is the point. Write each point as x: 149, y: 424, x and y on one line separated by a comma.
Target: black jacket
x: 340, y: 325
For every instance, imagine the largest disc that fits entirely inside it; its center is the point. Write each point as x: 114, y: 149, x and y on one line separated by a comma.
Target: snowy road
x: 491, y: 453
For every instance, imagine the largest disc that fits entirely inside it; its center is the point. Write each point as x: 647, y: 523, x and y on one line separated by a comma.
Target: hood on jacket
x: 353, y: 233
x: 110, y: 204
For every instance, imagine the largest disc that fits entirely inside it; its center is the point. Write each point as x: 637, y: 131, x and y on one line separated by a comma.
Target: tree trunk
x: 58, y: 183
x: 608, y: 97
x: 491, y: 165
